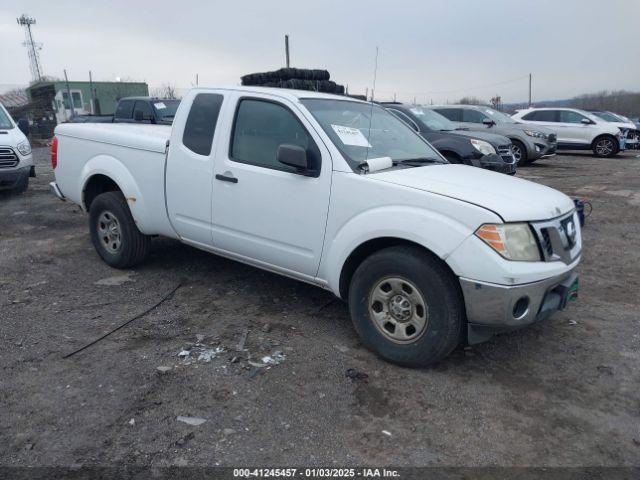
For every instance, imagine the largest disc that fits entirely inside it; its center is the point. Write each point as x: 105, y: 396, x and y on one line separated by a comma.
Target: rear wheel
x: 114, y: 233
x: 406, y: 306
x: 605, y: 146
x: 519, y: 153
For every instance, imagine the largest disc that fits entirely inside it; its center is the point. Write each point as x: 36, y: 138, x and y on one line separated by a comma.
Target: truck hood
x: 513, y: 199
x: 493, y: 138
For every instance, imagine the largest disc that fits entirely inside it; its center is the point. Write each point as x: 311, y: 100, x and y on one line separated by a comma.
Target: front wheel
x: 519, y: 153
x: 114, y: 233
x: 605, y: 146
x: 406, y: 306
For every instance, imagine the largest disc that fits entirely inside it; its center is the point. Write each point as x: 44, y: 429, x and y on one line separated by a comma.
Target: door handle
x: 226, y: 178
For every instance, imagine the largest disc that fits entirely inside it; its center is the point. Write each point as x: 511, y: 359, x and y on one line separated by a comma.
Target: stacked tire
x: 295, y: 78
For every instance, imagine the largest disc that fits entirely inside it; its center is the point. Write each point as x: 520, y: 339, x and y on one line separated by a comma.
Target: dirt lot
x: 564, y: 392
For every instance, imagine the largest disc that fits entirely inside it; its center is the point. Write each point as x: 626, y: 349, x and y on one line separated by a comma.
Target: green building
x: 49, y: 100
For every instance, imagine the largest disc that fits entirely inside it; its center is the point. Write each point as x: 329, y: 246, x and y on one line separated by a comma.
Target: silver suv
x: 530, y: 142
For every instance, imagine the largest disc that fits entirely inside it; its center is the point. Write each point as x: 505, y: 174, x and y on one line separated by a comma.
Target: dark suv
x: 484, y: 150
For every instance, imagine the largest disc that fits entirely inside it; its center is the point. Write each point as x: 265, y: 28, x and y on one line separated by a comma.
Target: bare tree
x: 471, y: 101
x: 165, y: 91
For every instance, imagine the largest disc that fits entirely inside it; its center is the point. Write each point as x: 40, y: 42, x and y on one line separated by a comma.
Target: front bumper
x: 497, y: 163
x: 9, y: 179
x: 493, y: 308
x: 539, y: 148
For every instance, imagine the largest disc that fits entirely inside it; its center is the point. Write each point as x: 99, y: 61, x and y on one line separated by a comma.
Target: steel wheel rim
x: 398, y: 310
x: 109, y: 232
x: 604, y: 146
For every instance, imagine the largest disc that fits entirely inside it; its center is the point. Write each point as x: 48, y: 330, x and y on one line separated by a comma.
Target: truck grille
x: 559, y: 238
x: 552, y: 138
x: 8, y: 158
x: 505, y: 152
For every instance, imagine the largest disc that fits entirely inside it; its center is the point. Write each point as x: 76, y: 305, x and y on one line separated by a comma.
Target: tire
x: 605, y: 146
x: 114, y: 233
x: 413, y: 275
x: 22, y: 185
x: 520, y: 153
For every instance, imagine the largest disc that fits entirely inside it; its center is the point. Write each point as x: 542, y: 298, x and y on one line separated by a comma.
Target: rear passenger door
x: 265, y: 212
x: 189, y: 169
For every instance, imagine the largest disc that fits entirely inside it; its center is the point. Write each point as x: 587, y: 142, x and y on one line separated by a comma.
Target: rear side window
x: 541, y: 116
x: 453, y: 114
x: 261, y: 127
x: 125, y: 109
x: 201, y: 123
x: 472, y: 116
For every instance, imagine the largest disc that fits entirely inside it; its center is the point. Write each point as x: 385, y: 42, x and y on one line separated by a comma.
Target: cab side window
x: 142, y: 112
x: 260, y: 127
x: 125, y: 109
x: 201, y: 123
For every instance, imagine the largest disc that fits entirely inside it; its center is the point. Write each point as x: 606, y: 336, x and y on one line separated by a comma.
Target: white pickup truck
x: 338, y: 193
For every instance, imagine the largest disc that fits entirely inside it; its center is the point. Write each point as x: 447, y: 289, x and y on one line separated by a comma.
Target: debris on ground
x: 184, y: 353
x: 209, y: 354
x: 193, y: 421
x: 185, y: 439
x: 274, y: 359
x: 132, y: 422
x: 386, y: 432
x: 243, y: 339
x: 200, y: 338
x: 116, y: 281
x: 572, y: 322
x: 162, y: 370
x: 354, y: 374
x: 228, y: 431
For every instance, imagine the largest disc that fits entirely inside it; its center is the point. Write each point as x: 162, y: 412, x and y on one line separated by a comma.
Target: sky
x: 428, y: 50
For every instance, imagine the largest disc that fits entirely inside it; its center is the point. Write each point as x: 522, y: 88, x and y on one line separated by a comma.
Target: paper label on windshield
x: 159, y: 105
x: 351, y: 136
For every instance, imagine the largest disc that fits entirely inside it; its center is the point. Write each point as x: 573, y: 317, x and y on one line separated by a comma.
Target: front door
x: 571, y: 129
x: 264, y: 211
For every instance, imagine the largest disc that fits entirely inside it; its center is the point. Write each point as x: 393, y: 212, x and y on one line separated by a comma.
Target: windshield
x: 5, y: 120
x: 499, y: 117
x: 363, y: 131
x: 609, y: 117
x: 432, y: 120
x: 166, y: 109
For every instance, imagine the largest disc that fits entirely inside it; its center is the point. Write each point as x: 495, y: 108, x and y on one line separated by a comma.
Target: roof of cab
x: 290, y: 94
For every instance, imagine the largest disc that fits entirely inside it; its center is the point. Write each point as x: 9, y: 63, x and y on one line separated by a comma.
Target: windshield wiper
x: 417, y: 161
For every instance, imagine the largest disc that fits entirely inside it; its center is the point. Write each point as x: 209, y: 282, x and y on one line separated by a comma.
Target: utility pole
x: 529, y: 90
x: 66, y: 80
x: 93, y: 98
x: 34, y: 58
x: 196, y: 79
x: 286, y: 48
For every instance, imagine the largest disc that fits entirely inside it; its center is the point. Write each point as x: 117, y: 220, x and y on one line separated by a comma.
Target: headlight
x: 482, y: 146
x: 514, y: 241
x: 535, y: 134
x: 24, y: 147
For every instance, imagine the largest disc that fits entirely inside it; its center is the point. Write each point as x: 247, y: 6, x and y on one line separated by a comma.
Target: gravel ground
x: 561, y: 393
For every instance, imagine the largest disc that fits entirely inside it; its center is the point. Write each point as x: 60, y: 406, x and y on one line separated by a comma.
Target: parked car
x: 529, y: 143
x: 630, y: 133
x: 16, y: 160
x: 338, y: 193
x: 576, y: 129
x: 480, y: 149
x: 154, y: 110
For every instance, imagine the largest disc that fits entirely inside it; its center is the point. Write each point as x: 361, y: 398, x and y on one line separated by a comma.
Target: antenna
x: 33, y: 47
x: 375, y: 73
x: 286, y: 49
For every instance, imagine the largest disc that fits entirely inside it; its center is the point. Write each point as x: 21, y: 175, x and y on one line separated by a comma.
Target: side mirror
x: 138, y: 116
x: 23, y: 125
x: 488, y: 122
x: 293, y: 156
x: 586, y: 121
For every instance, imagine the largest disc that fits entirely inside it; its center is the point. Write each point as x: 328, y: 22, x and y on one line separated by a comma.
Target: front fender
x: 114, y: 169
x: 434, y: 231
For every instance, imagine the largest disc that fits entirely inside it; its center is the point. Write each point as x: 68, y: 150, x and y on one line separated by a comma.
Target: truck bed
x: 152, y: 138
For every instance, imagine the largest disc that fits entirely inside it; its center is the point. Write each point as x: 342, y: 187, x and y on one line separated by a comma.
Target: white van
x: 16, y: 161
